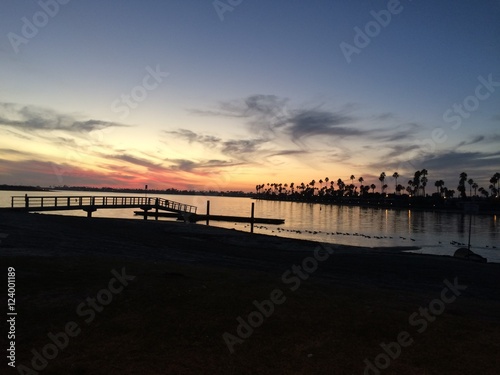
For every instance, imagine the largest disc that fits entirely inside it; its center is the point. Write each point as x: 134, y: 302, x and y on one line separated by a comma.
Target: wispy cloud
x: 289, y: 152
x: 137, y: 161
x: 472, y: 141
x: 471, y: 161
x: 271, y: 118
x: 397, y: 133
x: 192, y: 137
x: 399, y: 151
x: 46, y: 173
x: 253, y: 106
x: 386, y: 116
x: 238, y: 149
x: 190, y: 165
x: 258, y: 110
x: 442, y: 165
x: 32, y: 118
x: 311, y: 123
x: 15, y: 134
x: 10, y: 151
x: 242, y: 147
x: 275, y: 128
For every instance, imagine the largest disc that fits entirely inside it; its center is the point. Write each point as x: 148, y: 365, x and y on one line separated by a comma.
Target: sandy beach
x: 205, y: 300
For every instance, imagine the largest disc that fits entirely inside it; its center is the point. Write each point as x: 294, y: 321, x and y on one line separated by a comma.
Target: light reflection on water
x: 433, y: 231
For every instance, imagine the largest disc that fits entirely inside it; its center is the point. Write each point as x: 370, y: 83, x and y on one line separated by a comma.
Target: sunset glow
x: 178, y: 94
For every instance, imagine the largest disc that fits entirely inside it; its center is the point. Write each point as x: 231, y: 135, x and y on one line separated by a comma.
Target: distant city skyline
x: 226, y: 95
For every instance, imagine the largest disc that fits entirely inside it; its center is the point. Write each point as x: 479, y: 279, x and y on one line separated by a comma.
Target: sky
x: 228, y: 94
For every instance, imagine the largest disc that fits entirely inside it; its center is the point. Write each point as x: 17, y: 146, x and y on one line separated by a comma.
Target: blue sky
x: 261, y: 92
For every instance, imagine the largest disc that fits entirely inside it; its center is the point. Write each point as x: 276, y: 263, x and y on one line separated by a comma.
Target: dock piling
x: 208, y: 212
x: 252, y: 217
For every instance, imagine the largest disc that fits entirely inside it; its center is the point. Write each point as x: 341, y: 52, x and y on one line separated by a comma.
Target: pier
x: 90, y: 204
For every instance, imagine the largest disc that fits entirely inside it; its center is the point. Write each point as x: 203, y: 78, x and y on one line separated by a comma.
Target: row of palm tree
x: 416, y: 186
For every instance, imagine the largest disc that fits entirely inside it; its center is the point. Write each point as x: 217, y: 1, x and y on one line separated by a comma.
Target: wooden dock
x: 90, y: 204
x: 196, y: 217
x: 167, y: 207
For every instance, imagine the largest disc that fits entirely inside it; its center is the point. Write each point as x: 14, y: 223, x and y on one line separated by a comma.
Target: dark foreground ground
x: 179, y: 294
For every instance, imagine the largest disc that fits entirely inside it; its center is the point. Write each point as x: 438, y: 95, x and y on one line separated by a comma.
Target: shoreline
x: 231, y: 237
x: 294, y: 243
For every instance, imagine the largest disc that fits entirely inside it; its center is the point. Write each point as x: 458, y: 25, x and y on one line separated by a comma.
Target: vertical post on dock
x: 470, y: 229
x: 252, y: 217
x: 208, y: 212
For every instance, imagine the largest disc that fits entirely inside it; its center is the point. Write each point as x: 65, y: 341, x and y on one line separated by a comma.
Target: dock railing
x: 76, y: 202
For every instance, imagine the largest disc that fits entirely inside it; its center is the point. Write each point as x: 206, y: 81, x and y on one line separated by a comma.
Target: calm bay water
x: 433, y: 231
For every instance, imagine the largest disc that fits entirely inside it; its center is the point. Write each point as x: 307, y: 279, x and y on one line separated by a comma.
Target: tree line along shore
x: 468, y: 196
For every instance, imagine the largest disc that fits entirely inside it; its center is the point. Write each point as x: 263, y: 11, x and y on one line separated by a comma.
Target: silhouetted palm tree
x: 470, y: 181
x: 373, y: 186
x: 439, y: 185
x: 341, y: 186
x: 423, y: 179
x: 416, y: 182
x: 395, y: 175
x: 312, y: 183
x: 382, y: 179
x: 449, y: 193
x: 494, y: 181
x: 475, y: 186
x: 461, y: 185
x: 493, y: 190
